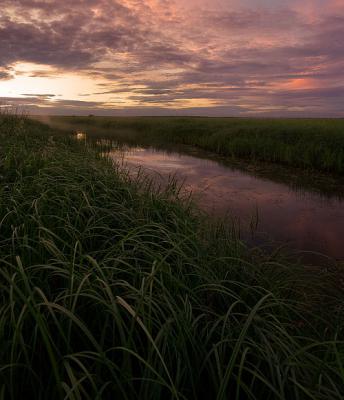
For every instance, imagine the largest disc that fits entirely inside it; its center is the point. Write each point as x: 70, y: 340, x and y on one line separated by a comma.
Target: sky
x: 173, y: 57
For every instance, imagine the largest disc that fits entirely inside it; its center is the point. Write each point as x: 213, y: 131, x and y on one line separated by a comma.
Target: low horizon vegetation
x: 109, y: 287
x: 311, y: 144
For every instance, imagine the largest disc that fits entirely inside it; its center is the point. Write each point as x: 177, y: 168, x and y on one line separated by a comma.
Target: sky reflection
x: 307, y: 221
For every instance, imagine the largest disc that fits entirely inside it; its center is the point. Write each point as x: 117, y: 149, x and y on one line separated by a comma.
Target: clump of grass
x: 311, y: 144
x: 109, y: 288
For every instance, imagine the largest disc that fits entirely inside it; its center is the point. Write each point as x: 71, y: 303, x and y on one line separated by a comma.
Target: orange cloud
x: 298, y: 83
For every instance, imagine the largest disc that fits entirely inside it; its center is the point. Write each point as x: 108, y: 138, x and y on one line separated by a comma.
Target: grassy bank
x: 108, y: 289
x: 304, y: 143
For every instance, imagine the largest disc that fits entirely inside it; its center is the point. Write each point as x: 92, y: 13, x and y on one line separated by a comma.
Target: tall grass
x: 109, y: 288
x: 305, y: 143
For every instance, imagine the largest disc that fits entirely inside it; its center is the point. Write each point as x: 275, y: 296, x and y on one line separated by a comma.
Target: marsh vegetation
x: 311, y: 144
x: 290, y: 203
x: 109, y: 288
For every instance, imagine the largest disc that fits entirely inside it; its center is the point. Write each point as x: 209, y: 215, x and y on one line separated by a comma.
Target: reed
x: 111, y: 288
x: 311, y: 144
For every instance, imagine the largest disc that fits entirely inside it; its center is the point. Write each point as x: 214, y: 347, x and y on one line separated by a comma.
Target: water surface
x: 305, y: 220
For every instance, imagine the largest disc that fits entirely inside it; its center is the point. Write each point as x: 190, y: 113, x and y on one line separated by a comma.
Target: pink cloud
x: 221, y: 56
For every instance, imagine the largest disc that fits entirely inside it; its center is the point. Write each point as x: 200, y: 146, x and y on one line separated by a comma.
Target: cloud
x: 47, y: 96
x: 234, y: 57
x: 4, y: 75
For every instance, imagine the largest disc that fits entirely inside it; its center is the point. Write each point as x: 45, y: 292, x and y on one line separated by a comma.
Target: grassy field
x: 111, y: 289
x: 305, y: 143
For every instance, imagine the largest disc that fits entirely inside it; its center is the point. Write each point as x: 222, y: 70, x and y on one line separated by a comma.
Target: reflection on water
x: 307, y: 221
x: 79, y: 135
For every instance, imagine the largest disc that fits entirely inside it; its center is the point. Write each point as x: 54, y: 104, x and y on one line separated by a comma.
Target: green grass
x: 315, y: 144
x: 112, y: 289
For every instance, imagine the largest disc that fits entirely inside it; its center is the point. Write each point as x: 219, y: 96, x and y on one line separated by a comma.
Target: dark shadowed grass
x: 110, y: 288
x: 311, y: 144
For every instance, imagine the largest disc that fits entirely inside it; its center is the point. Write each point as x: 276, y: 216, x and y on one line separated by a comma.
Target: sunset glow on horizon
x: 178, y: 57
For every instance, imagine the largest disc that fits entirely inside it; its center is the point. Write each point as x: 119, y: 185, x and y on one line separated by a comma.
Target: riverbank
x: 109, y: 288
x: 309, y: 144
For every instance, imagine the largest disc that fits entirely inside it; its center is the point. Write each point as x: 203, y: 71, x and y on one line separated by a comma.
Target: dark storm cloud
x: 4, y: 75
x: 77, y: 103
x: 38, y: 95
x: 72, y: 35
x: 39, y: 44
x: 44, y: 100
